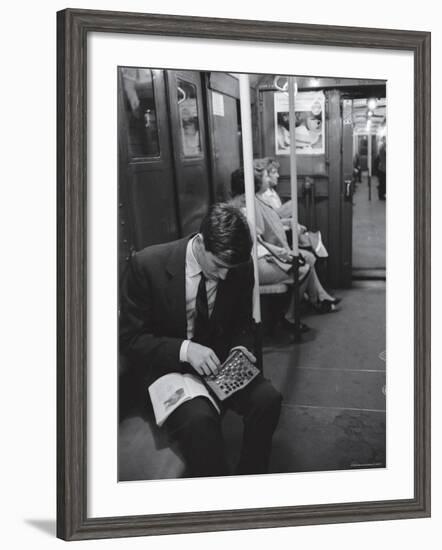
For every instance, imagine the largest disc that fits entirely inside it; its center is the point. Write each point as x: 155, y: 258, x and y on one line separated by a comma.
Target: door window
x: 188, y: 119
x: 141, y: 114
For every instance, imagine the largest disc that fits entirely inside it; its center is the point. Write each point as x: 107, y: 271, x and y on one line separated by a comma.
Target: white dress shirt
x: 193, y: 277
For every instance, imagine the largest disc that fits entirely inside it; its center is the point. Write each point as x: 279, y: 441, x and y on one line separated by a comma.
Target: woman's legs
x: 270, y: 273
x: 311, y: 285
x: 314, y: 290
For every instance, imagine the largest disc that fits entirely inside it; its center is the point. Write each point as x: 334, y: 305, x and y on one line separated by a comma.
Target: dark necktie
x: 201, y: 325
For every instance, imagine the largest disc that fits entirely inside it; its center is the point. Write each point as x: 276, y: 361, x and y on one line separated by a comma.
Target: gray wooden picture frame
x: 73, y: 27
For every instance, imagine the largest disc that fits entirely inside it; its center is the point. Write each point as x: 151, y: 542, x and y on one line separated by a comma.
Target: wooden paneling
x: 152, y: 204
x: 193, y: 195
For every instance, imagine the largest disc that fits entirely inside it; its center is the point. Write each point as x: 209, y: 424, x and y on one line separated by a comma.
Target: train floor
x: 333, y: 387
x: 369, y: 234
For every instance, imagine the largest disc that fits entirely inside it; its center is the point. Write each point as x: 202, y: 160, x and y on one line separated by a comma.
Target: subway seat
x: 144, y: 451
x: 277, y: 288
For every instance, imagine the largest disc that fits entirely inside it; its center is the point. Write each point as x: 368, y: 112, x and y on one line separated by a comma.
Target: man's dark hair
x: 226, y: 234
x: 237, y: 182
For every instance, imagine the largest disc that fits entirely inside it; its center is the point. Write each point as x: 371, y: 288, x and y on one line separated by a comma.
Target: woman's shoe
x: 326, y: 306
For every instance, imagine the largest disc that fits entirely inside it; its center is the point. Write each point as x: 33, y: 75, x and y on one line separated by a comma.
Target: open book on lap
x: 171, y: 390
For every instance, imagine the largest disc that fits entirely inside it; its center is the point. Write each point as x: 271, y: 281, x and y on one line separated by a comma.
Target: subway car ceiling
x: 179, y: 140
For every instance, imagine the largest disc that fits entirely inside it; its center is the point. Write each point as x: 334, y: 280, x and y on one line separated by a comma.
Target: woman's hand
x: 301, y: 229
x: 284, y: 254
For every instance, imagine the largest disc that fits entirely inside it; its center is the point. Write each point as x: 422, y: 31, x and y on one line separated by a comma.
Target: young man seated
x: 185, y: 305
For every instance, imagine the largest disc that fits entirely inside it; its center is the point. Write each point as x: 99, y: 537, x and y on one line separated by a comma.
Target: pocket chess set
x: 234, y: 374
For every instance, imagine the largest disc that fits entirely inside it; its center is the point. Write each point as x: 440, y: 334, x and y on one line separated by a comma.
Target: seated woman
x: 270, y: 166
x: 274, y: 254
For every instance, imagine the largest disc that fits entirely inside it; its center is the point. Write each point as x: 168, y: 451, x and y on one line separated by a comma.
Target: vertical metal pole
x: 294, y: 195
x: 247, y: 147
x: 369, y: 155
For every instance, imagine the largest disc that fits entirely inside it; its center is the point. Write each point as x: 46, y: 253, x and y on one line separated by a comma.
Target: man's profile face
x: 212, y: 267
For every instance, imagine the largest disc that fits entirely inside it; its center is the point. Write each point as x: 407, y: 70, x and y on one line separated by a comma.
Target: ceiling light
x: 371, y: 104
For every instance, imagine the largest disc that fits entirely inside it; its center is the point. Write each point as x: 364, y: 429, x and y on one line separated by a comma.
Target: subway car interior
x: 181, y: 135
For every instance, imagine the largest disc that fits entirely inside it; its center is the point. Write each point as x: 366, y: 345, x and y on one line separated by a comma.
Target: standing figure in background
x: 381, y: 162
x: 357, y: 168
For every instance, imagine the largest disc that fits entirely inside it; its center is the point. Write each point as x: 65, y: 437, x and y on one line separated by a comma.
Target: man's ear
x: 200, y: 239
x: 200, y: 247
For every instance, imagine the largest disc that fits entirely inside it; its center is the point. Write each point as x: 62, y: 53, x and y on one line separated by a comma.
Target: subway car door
x: 340, y: 203
x: 147, y: 201
x: 189, y: 146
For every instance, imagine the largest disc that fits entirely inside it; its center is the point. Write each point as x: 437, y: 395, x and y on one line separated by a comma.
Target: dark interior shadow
x: 133, y: 402
x: 48, y: 526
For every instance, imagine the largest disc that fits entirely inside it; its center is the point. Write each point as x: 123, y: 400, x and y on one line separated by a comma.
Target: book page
x: 196, y: 387
x: 171, y: 390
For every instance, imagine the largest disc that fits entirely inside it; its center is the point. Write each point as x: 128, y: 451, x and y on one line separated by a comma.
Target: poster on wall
x: 309, y: 132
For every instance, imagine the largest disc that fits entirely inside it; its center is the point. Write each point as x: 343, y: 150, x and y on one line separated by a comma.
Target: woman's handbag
x: 313, y: 241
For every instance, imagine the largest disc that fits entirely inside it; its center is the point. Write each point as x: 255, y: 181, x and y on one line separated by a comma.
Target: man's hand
x: 204, y: 360
x: 246, y: 352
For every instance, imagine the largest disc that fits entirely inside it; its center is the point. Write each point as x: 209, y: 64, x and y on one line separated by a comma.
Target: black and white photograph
x: 219, y: 251
x: 251, y: 273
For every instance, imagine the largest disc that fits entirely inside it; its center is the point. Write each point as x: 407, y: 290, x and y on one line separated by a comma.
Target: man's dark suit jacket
x: 153, y: 320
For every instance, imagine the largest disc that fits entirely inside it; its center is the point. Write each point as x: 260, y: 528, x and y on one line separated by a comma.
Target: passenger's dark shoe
x: 326, y: 306
x: 336, y: 300
x: 289, y: 325
x: 304, y: 327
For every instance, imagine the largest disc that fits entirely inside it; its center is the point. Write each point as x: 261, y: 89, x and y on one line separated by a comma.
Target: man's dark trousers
x: 196, y: 428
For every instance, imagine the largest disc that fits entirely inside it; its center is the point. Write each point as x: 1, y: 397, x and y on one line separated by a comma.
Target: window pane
x: 139, y: 103
x: 188, y: 117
